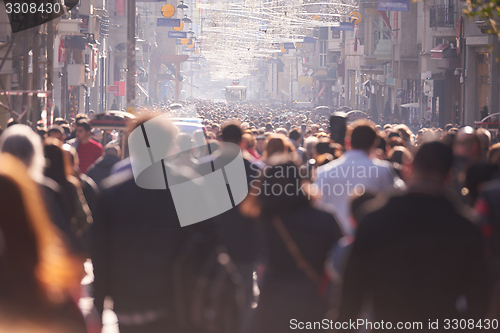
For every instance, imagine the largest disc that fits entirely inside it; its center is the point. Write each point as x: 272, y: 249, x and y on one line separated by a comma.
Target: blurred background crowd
x: 415, y: 238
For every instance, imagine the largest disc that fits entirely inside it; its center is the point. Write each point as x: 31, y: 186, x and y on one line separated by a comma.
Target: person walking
x: 74, y: 204
x: 236, y: 231
x: 88, y: 149
x: 38, y: 275
x: 354, y: 173
x: 136, y: 247
x: 297, y: 237
x: 417, y: 258
x: 103, y: 165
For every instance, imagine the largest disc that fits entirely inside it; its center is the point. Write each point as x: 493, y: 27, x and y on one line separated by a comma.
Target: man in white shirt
x: 354, y: 173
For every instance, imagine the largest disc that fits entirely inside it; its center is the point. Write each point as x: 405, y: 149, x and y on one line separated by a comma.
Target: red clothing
x: 254, y: 153
x: 88, y: 153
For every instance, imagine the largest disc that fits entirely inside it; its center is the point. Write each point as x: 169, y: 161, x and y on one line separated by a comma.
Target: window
x: 323, y: 33
x: 323, y: 49
x: 335, y: 33
x: 438, y: 41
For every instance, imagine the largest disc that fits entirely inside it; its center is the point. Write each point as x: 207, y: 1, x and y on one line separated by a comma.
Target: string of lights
x: 237, y: 34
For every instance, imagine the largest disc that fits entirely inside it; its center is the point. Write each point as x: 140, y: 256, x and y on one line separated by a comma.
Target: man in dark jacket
x: 102, y: 167
x: 417, y: 259
x: 236, y: 231
x: 136, y: 241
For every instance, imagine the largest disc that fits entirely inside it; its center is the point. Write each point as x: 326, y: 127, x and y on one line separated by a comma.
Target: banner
x: 343, y: 26
x: 273, y: 61
x: 120, y: 7
x: 393, y: 5
x: 167, y: 22
x: 177, y: 34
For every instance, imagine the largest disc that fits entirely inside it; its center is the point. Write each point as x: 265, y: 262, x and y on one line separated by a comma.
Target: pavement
x: 86, y: 304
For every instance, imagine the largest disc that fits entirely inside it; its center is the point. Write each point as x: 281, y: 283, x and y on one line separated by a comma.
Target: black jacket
x: 236, y: 231
x: 416, y: 258
x: 287, y: 292
x: 136, y: 237
x: 102, y: 168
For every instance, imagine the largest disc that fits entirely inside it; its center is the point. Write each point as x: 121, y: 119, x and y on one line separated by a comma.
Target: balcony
x: 442, y: 16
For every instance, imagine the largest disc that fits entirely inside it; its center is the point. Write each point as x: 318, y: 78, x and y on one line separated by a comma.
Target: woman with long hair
x: 75, y: 207
x: 297, y: 237
x: 37, y: 273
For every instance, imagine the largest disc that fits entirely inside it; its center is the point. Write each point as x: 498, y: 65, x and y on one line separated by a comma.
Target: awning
x: 172, y: 58
x: 310, y: 40
x: 410, y: 105
x: 236, y: 88
x: 438, y: 51
x: 143, y: 91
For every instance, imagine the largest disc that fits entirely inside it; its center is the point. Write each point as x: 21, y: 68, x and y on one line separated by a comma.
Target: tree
x: 487, y: 11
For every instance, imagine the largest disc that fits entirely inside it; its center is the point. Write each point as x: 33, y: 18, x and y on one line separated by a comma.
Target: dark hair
x: 295, y: 134
x: 60, y: 121
x: 381, y: 142
x: 326, y: 146
x: 284, y: 174
x: 66, y: 128
x: 363, y: 135
x: 231, y: 133
x: 55, y: 129
x: 84, y: 124
x: 395, y: 141
x: 478, y: 174
x: 81, y: 116
x: 56, y: 167
x: 394, y: 134
x: 449, y: 138
x: 433, y: 158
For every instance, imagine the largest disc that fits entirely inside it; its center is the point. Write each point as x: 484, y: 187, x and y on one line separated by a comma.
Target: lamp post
x: 182, y: 5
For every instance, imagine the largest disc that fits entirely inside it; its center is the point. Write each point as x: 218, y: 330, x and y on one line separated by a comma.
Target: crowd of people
x: 389, y: 223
